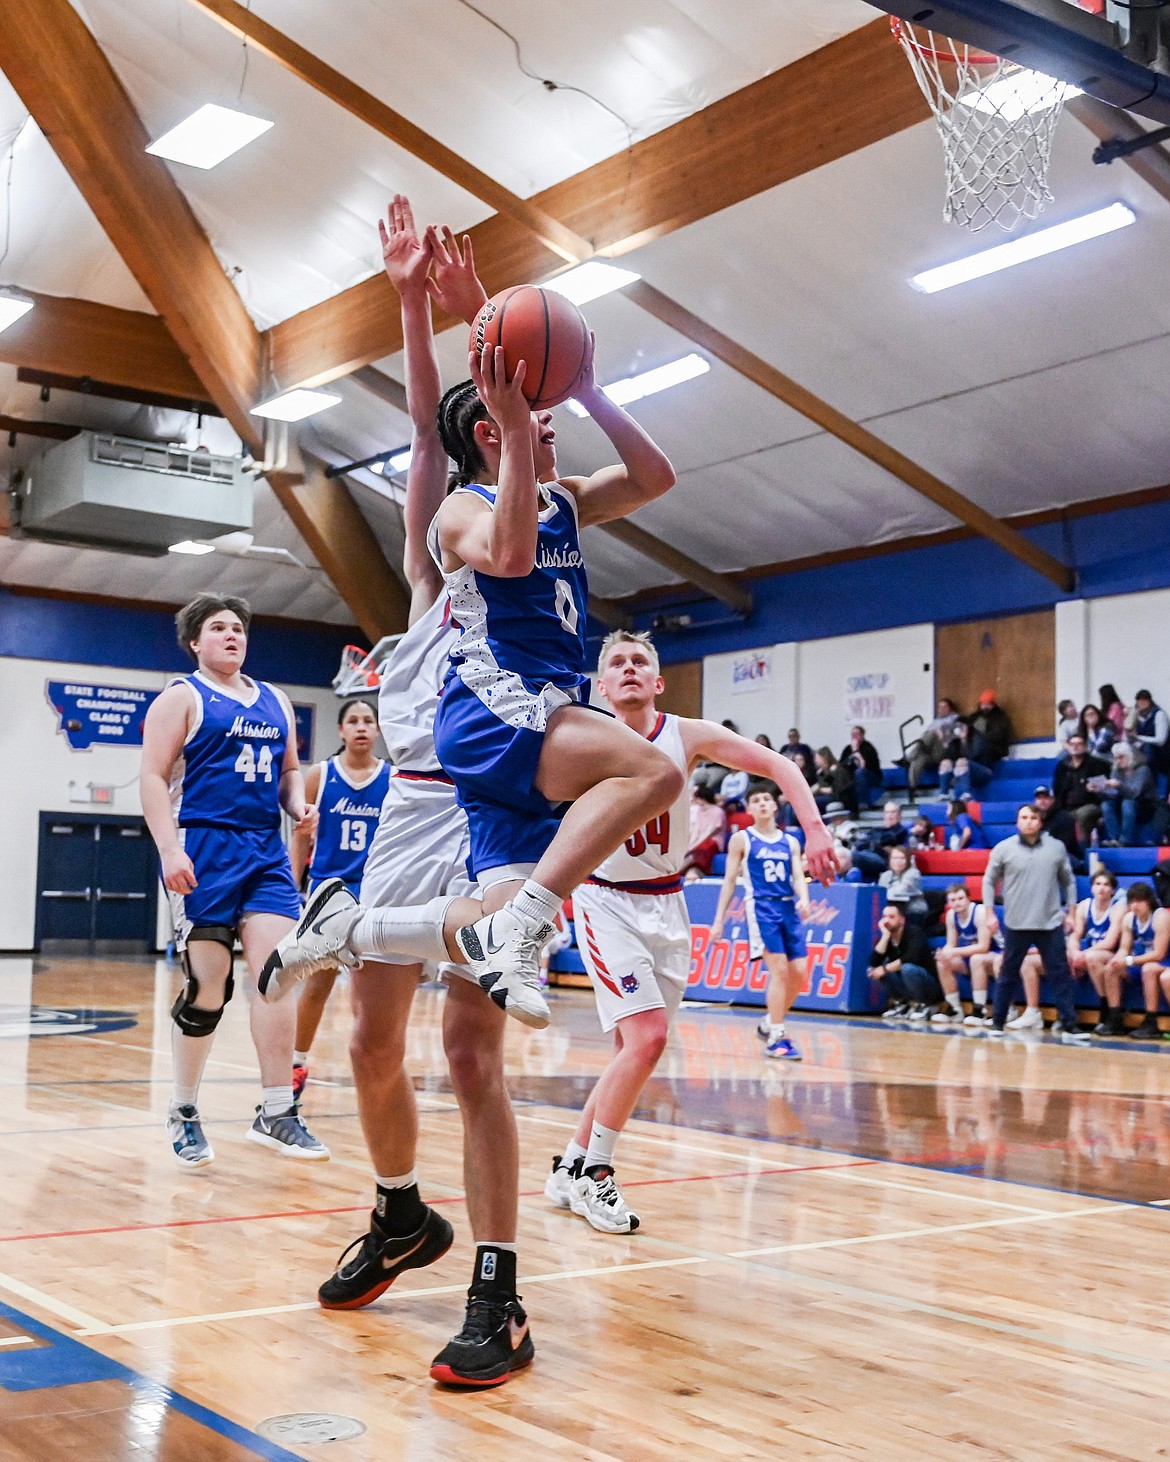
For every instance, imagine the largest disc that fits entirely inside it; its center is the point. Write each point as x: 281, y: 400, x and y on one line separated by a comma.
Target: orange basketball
x: 541, y: 328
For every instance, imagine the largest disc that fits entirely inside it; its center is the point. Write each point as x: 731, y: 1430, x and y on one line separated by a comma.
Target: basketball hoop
x: 358, y: 672
x: 996, y: 121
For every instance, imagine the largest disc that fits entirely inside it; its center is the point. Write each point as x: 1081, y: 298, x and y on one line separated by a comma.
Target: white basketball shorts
x: 636, y: 948
x: 419, y: 851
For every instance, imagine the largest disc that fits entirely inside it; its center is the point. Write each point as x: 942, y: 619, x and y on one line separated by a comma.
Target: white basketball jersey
x: 659, y: 849
x: 409, y: 693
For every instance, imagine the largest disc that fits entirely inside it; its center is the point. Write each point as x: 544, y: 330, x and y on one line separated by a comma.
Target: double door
x: 97, y: 880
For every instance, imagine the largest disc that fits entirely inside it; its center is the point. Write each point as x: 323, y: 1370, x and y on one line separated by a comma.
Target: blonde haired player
x: 632, y: 925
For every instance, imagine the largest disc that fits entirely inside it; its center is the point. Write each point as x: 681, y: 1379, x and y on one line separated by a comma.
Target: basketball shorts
x: 419, y: 851
x: 636, y: 948
x: 493, y: 765
x: 780, y: 929
x: 240, y: 871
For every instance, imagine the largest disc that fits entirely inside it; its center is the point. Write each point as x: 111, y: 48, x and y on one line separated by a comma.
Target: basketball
x: 541, y: 328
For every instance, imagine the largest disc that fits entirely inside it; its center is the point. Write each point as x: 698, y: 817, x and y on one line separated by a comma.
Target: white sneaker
x: 1031, y: 1020
x: 981, y: 1020
x: 319, y: 942
x: 601, y: 1202
x: 503, y: 954
x: 764, y: 1029
x: 944, y: 1015
x: 287, y: 1134
x: 918, y: 1012
x: 558, y: 1187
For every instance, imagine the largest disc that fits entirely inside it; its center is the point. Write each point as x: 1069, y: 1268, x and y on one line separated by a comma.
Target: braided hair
x: 459, y: 410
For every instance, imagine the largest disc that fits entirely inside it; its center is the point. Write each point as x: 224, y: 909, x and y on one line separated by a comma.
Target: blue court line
x: 63, y: 1361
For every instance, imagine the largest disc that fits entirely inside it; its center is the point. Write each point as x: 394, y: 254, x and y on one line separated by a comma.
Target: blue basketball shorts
x: 781, y: 931
x: 493, y: 765
x: 239, y: 871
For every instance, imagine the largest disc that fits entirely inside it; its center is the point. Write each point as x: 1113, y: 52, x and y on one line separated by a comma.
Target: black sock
x: 399, y: 1211
x: 495, y: 1271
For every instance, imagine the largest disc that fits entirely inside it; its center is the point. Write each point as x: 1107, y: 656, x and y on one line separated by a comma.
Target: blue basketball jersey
x: 519, y: 635
x: 349, y: 814
x: 1096, y: 930
x: 229, y: 772
x: 769, y: 868
x: 1143, y: 935
x: 968, y: 929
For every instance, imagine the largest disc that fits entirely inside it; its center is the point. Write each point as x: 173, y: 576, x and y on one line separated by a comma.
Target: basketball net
x: 996, y: 121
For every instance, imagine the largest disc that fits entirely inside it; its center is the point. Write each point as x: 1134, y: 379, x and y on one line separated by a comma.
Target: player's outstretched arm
x: 703, y: 740
x: 454, y: 285
x: 163, y: 733
x: 735, y: 851
x: 644, y: 473
x: 407, y: 263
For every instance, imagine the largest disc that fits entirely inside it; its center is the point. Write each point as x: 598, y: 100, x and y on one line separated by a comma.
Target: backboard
x: 1120, y: 56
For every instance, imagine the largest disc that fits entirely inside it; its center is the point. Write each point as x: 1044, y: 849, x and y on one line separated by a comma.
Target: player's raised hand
x: 587, y: 380
x: 503, y: 398
x: 307, y: 822
x: 404, y: 259
x: 820, y: 855
x: 454, y: 285
x: 178, y: 872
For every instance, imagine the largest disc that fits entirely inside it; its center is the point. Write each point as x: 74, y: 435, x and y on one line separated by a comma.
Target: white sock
x: 188, y: 1058
x: 277, y: 1100
x: 300, y: 1058
x: 404, y: 1180
x: 776, y: 1028
x: 979, y: 997
x: 416, y: 931
x: 536, y: 903
x: 602, y: 1141
x: 955, y: 1003
x: 571, y: 1153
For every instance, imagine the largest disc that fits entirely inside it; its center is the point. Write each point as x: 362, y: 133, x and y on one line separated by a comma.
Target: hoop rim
x: 902, y: 34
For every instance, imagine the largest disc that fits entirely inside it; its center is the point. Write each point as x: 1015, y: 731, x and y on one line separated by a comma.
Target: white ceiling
x: 1034, y: 388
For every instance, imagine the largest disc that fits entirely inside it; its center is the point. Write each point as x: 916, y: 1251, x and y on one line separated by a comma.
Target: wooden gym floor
x: 912, y: 1245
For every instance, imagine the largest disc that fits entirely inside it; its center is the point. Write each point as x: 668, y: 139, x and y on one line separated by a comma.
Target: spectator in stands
x: 871, y: 846
x: 991, y: 731
x: 844, y: 829
x: 765, y: 740
x: 903, y: 884
x: 1039, y: 894
x: 795, y: 747
x: 1093, y: 942
x: 1151, y: 731
x: 1078, y: 785
x: 708, y: 834
x: 1129, y: 799
x: 1112, y: 709
x: 1142, y: 950
x: 1059, y: 824
x: 979, y: 744
x: 832, y: 782
x: 903, y: 964
x: 931, y: 747
x: 972, y: 932
x: 1096, y: 731
x: 805, y: 768
x: 922, y: 833
x: 962, y: 829
x: 861, y: 756
x: 1068, y: 723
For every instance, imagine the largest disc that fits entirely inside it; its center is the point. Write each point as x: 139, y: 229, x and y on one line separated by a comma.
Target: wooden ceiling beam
x: 837, y: 424
x: 79, y: 339
x: 76, y: 98
x: 339, y: 537
x: 385, y: 387
x: 393, y: 125
x: 15, y: 426
x: 846, y: 95
x: 720, y: 586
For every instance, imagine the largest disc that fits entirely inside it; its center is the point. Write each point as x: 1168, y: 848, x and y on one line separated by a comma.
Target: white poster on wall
x: 752, y: 671
x: 869, y: 698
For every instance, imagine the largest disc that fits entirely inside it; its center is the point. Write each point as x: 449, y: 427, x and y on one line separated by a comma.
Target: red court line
x: 134, y: 1228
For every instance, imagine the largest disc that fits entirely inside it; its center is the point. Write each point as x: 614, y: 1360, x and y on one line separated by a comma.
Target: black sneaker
x: 1149, y: 1030
x: 493, y: 1343
x: 380, y: 1260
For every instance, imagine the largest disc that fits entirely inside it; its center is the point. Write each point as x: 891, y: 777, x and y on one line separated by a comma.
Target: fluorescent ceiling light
x: 13, y: 307
x: 208, y: 136
x: 295, y: 405
x: 649, y: 383
x: 590, y: 281
x: 1030, y: 246
x: 195, y: 549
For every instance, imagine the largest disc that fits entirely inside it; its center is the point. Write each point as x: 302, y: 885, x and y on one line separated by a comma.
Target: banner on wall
x: 303, y: 715
x: 94, y: 715
x: 840, y: 934
x: 869, y: 698
x: 750, y: 672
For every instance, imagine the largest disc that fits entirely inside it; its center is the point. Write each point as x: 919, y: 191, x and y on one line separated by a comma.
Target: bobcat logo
x: 629, y: 983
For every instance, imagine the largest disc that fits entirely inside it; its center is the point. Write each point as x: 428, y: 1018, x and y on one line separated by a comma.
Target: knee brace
x: 191, y: 1020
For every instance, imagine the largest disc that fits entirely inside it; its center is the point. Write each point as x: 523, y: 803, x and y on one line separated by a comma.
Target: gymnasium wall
x: 39, y: 766
x: 1122, y: 638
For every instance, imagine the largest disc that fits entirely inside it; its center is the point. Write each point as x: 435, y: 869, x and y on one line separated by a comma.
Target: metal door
x: 96, y: 880
x: 124, y: 883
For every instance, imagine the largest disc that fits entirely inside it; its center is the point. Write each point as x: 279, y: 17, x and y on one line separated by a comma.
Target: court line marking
x: 628, y: 1136
x: 926, y: 1192
x: 689, y: 1258
x: 19, y: 1340
x: 77, y: 1318
x: 162, y: 1051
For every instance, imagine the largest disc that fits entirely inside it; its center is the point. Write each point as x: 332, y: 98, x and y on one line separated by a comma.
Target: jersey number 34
x: 656, y: 831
